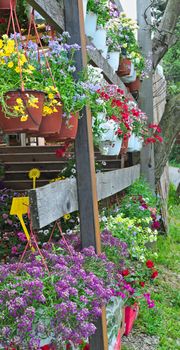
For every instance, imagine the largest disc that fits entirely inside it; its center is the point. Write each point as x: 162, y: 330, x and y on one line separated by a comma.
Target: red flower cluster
x: 150, y: 265
x: 125, y: 272
x: 60, y: 152
x: 155, y: 137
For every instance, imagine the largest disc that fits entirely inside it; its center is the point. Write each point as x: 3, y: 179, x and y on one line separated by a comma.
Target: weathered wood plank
x: 146, y: 104
x: 115, y: 181
x: 53, y: 11
x: 52, y: 201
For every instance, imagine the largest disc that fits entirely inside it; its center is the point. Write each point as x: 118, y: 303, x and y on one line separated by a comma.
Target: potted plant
x: 58, y: 296
x: 113, y: 42
x: 73, y: 96
x: 99, y: 9
x: 6, y: 4
x: 21, y: 109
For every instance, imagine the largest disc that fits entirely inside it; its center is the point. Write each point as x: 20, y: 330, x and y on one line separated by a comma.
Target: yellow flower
x: 55, y: 110
x: 124, y: 45
x: 31, y: 68
x: 17, y: 69
x: 32, y: 102
x: 17, y: 108
x: 1, y: 43
x: 51, y: 96
x: 19, y: 101
x: 47, y: 110
x: 67, y: 217
x: 10, y: 64
x: 24, y: 118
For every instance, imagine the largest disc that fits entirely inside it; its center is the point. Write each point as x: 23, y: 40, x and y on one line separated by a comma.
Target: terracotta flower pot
x: 135, y: 85
x: 50, y: 124
x: 12, y: 125
x: 124, y: 67
x: 131, y: 313
x: 68, y: 130
x: 5, y: 4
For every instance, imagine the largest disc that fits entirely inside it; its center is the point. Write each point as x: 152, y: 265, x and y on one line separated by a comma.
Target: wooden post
x: 85, y: 165
x: 146, y: 93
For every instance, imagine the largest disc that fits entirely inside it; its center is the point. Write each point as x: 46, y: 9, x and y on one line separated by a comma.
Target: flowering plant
x: 125, y: 28
x: 134, y: 235
x: 152, y: 135
x: 58, y: 301
x: 113, y: 35
x: 120, y: 113
x: 101, y: 8
x: 29, y: 67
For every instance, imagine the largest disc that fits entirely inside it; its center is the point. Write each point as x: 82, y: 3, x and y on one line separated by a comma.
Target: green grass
x: 164, y: 320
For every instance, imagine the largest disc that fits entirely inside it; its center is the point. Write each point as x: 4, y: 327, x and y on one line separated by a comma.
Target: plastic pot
x: 135, y: 143
x: 99, y: 39
x: 113, y: 60
x: 12, y: 125
x: 68, y: 130
x: 110, y: 148
x: 51, y: 124
x: 134, y: 86
x: 90, y: 24
x: 131, y: 313
x: 124, y: 67
x: 5, y: 4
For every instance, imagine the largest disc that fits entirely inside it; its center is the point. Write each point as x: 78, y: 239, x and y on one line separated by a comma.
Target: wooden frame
x: 68, y: 15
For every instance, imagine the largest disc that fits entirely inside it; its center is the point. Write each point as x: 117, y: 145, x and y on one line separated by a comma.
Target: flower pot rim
x: 28, y: 90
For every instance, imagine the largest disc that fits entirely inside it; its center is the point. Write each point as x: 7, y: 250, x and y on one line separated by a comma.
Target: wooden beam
x: 51, y: 202
x: 85, y: 164
x: 146, y: 92
x: 52, y: 11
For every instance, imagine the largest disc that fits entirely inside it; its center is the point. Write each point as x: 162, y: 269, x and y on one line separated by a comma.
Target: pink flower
x: 5, y: 216
x: 14, y: 250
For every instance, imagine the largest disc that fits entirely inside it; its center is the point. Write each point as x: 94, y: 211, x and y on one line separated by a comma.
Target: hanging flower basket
x: 12, y: 124
x: 131, y: 313
x: 5, y: 4
x: 68, y: 130
x: 135, y: 85
x: 51, y: 123
x: 124, y: 67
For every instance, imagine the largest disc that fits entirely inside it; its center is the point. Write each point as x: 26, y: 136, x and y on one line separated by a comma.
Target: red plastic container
x: 14, y: 125
x: 5, y: 4
x: 67, y: 132
x: 124, y: 67
x: 131, y: 313
x: 118, y: 341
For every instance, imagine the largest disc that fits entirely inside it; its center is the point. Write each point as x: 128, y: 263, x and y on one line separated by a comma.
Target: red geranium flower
x: 159, y: 138
x: 125, y: 272
x: 149, y: 264
x: 154, y: 275
x: 142, y: 284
